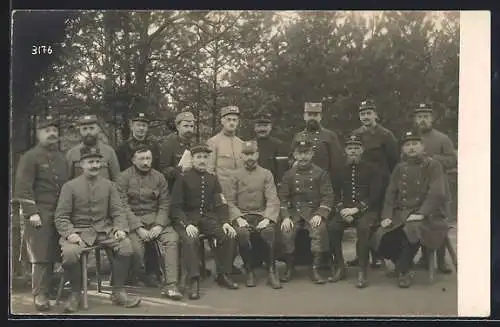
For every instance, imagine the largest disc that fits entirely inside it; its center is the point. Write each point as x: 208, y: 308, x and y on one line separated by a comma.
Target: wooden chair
x: 84, y: 265
x: 433, y: 259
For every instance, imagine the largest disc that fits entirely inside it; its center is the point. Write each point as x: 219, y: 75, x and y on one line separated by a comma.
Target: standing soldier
x: 226, y: 154
x: 380, y: 149
x: 41, y: 173
x: 272, y: 152
x: 414, y: 208
x: 90, y: 212
x: 328, y: 152
x: 440, y: 147
x: 175, y: 146
x: 199, y: 207
x: 254, y: 209
x: 139, y: 126
x: 144, y: 191
x: 89, y: 131
x: 358, y: 207
x: 306, y: 199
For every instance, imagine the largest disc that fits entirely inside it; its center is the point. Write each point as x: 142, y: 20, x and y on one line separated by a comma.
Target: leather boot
x: 353, y: 263
x: 340, y: 273
x: 194, y: 289
x: 273, y: 279
x: 120, y: 297
x: 405, y: 280
x: 171, y: 292
x: 73, y: 303
x: 315, y: 275
x: 225, y: 281
x: 287, y: 276
x: 41, y: 302
x: 250, y: 282
x: 362, y: 280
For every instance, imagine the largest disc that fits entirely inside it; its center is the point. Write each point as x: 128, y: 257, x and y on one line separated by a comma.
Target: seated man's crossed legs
x: 71, y: 262
x: 319, y: 246
x: 168, y: 241
x: 256, y: 229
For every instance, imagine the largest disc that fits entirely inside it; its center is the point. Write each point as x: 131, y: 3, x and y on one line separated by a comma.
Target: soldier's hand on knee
x: 35, y: 220
x: 143, y: 233
x: 386, y: 222
x: 315, y: 221
x: 287, y: 225
x: 75, y: 239
x: 120, y: 235
x: 348, y: 219
x: 241, y: 222
x: 263, y: 223
x: 229, y: 230
x: 191, y: 230
x: 154, y: 232
x: 344, y: 212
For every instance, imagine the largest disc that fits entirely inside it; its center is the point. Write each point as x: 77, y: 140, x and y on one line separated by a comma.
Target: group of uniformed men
x: 244, y: 195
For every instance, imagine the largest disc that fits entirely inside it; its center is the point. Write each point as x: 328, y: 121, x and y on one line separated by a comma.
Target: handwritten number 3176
x: 41, y: 49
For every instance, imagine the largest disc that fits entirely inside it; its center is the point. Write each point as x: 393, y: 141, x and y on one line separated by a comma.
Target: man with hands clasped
x: 199, y: 206
x: 414, y: 208
x: 306, y: 202
x: 254, y: 208
x: 90, y: 212
x: 144, y: 192
x: 361, y: 190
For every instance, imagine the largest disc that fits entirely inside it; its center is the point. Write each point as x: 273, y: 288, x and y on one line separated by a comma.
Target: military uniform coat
x: 90, y: 207
x: 328, y: 153
x: 110, y: 168
x: 41, y: 174
x: 145, y: 196
x: 306, y: 192
x: 361, y: 188
x: 273, y: 156
x: 225, y: 158
x: 416, y: 186
x: 381, y: 148
x: 171, y: 153
x: 253, y: 192
x: 198, y: 195
x: 126, y: 150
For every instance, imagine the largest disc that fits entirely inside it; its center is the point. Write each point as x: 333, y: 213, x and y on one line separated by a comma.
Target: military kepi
x: 411, y: 136
x: 229, y: 110
x: 47, y: 121
x: 353, y: 140
x: 367, y: 105
x: 249, y: 147
x: 200, y: 148
x: 313, y: 107
x: 184, y: 116
x: 87, y: 119
x: 140, y: 116
x: 423, y: 107
x: 262, y: 117
x: 90, y: 152
x: 303, y: 144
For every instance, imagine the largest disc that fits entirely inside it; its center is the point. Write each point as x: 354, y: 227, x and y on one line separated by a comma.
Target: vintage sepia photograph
x: 235, y: 163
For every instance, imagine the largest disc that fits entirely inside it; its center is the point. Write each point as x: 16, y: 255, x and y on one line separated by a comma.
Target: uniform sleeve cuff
x: 284, y: 212
x: 324, y: 211
x: 362, y: 207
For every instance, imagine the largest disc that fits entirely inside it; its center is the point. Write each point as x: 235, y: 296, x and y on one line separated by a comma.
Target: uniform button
x: 297, y: 181
x: 298, y: 188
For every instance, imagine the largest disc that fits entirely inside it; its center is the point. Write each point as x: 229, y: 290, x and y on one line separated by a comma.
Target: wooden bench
x: 433, y: 259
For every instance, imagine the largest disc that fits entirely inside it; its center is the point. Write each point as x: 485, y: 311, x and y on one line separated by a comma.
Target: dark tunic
x: 171, y: 152
x: 126, y: 150
x: 41, y: 174
x: 416, y: 186
x: 273, y: 156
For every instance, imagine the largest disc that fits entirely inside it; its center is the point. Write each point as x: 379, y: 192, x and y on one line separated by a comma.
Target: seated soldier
x: 89, y: 212
x: 253, y: 209
x: 198, y: 206
x: 306, y: 199
x: 413, y: 212
x: 144, y: 192
x: 361, y: 190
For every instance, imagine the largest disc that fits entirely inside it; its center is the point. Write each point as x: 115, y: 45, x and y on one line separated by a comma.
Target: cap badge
x: 49, y: 117
x: 353, y: 137
x: 422, y: 105
x: 87, y: 117
x: 302, y: 143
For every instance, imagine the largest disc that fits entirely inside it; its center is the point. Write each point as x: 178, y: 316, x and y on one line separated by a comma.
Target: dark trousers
x: 190, y: 256
x: 250, y: 239
x: 363, y: 225
x: 318, y: 235
x: 120, y: 264
x: 396, y: 247
x: 41, y: 277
